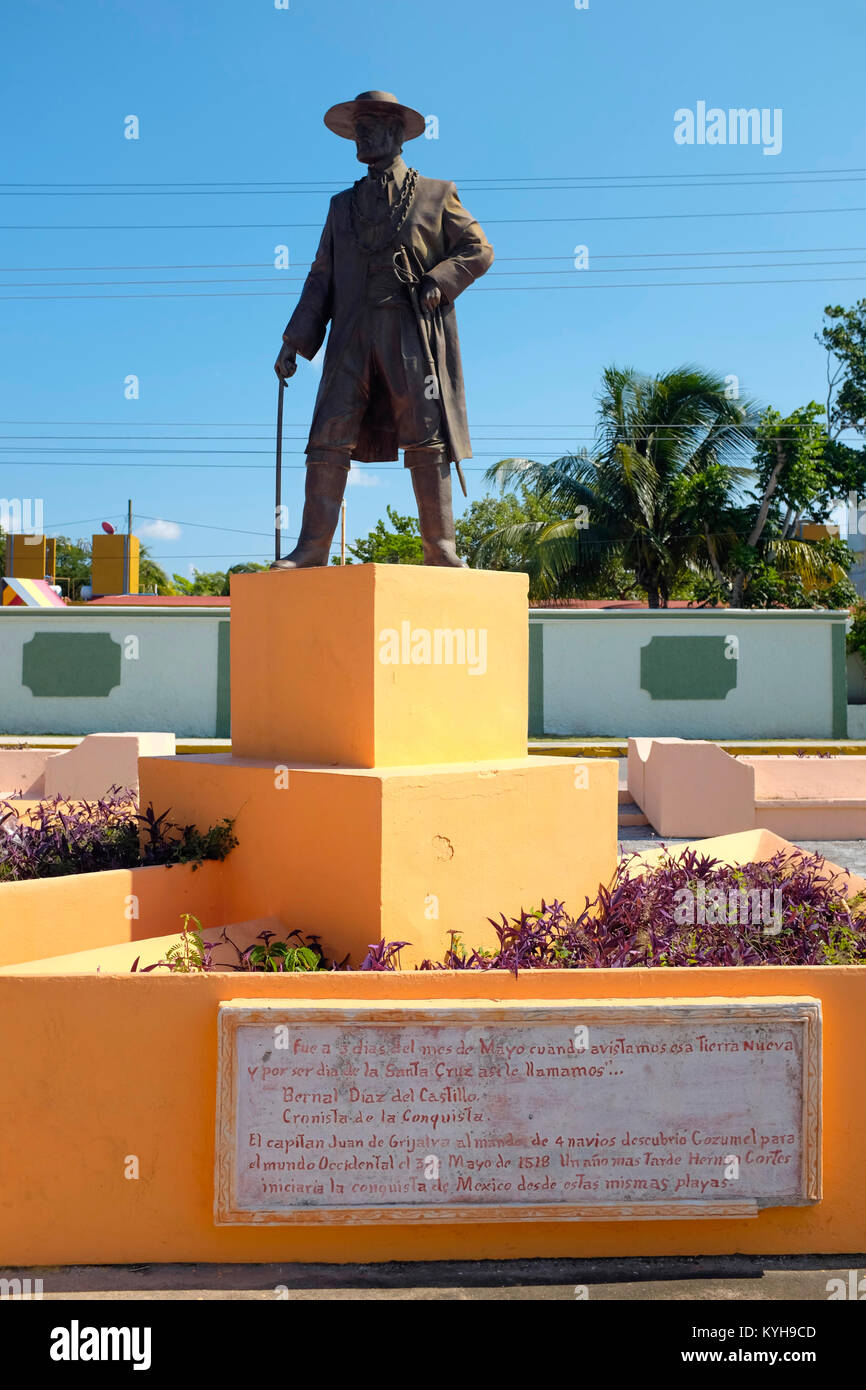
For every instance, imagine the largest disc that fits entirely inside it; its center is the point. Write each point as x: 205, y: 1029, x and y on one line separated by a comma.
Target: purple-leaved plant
x: 59, y: 837
x: 636, y: 920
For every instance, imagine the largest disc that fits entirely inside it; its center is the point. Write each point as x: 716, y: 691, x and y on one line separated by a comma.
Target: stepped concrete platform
x: 690, y: 787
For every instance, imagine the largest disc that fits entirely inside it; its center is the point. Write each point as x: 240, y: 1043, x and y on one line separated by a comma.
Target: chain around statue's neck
x: 381, y: 234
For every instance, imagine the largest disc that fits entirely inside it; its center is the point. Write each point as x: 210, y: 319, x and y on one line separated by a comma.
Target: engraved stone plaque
x: 475, y: 1111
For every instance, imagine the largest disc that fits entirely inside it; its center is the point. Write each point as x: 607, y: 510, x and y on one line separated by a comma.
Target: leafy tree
x: 789, y: 471
x: 844, y: 338
x: 669, y: 450
x: 399, y: 545
x: 819, y: 581
x: 215, y: 583
x: 73, y: 565
x: 246, y: 567
x: 485, y: 515
x: 212, y: 583
x: 151, y: 575
x: 500, y: 533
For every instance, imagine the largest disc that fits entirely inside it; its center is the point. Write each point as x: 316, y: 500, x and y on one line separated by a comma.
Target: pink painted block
x: 101, y: 761
x: 694, y: 788
x: 818, y: 779
x: 690, y: 787
x: 22, y: 772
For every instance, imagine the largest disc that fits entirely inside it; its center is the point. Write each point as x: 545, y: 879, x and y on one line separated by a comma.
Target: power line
x: 218, y: 554
x: 577, y: 185
x: 220, y: 438
x: 650, y: 255
x: 87, y: 520
x: 226, y: 280
x: 269, y: 425
x: 496, y: 275
x: 520, y: 431
x: 243, y: 467
x: 74, y: 449
x: 139, y: 516
x: 661, y: 429
x: 636, y: 269
x: 597, y: 256
x: 231, y: 554
x: 201, y: 525
x: 290, y: 453
x: 219, y: 265
x: 490, y: 222
x: 467, y: 179
x: 96, y: 463
x: 494, y: 289
x: 130, y: 438
x: 674, y: 284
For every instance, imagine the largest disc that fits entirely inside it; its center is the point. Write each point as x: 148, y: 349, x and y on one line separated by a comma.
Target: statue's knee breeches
x: 430, y: 457
x: 341, y: 458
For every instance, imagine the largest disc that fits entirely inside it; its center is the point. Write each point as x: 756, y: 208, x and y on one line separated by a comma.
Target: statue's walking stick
x: 279, y: 482
x: 425, y: 342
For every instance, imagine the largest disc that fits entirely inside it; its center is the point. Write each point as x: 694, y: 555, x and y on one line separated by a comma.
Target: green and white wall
x: 685, y: 673
x: 110, y: 669
x: 592, y: 672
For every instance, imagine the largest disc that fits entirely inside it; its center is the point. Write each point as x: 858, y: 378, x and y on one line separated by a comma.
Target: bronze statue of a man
x: 396, y: 251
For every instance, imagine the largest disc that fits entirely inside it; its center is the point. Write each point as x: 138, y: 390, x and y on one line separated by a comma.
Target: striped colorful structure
x: 29, y: 593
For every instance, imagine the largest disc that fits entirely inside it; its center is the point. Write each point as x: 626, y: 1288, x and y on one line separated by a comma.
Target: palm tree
x: 653, y: 494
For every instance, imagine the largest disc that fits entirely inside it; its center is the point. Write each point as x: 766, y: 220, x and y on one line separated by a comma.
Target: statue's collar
x: 396, y: 170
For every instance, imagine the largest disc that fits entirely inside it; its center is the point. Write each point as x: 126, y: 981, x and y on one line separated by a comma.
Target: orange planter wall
x: 96, y: 1068
x: 56, y: 916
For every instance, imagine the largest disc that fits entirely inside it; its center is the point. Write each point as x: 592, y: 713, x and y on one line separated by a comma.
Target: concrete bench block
x: 690, y: 788
x: 101, y: 761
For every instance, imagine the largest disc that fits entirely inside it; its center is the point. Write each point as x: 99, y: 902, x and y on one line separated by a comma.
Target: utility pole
x: 126, y: 566
x: 343, y: 534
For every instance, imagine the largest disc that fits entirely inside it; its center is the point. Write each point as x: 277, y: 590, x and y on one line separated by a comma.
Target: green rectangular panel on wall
x: 536, y: 680
x: 71, y: 664
x: 223, y: 697
x: 689, y: 668
x: 840, y: 681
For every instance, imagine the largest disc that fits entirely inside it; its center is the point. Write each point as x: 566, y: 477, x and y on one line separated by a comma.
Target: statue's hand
x: 430, y: 296
x: 286, y: 365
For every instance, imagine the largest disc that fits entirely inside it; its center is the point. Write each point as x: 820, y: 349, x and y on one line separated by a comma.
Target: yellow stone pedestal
x: 377, y: 665
x: 398, y: 854
x: 359, y: 807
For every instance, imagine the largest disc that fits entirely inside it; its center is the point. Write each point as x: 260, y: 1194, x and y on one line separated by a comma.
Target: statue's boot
x: 432, y: 484
x: 326, y: 483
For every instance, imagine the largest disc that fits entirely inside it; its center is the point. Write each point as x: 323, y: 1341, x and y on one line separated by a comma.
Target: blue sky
x: 556, y: 123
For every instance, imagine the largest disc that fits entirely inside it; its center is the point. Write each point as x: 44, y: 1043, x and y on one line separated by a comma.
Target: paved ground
x: 565, y: 746
x: 700, y: 1278
x: 62, y: 741
x: 570, y: 747
x: 848, y: 854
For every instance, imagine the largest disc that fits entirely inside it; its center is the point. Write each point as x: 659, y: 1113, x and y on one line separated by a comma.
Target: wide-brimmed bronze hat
x: 341, y: 118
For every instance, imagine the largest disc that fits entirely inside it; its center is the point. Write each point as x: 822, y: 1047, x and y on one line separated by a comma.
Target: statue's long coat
x: 444, y: 243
